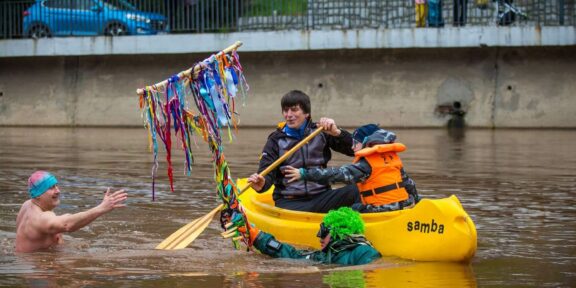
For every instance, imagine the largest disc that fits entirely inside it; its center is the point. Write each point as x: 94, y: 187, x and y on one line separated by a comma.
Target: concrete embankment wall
x: 498, y: 87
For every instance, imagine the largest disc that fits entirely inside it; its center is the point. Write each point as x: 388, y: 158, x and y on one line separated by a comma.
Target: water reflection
x: 405, y: 275
x: 517, y: 185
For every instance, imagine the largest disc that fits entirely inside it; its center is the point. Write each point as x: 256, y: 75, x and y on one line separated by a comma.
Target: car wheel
x: 115, y: 29
x: 39, y: 31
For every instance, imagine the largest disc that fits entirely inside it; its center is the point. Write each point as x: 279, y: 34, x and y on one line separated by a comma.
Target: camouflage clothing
x: 360, y: 171
x: 353, y: 250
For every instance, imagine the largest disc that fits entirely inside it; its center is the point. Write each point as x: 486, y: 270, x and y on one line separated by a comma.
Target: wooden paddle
x: 185, y: 235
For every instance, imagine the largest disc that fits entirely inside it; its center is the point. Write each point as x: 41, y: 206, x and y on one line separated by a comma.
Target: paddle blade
x: 185, y: 235
x: 168, y: 242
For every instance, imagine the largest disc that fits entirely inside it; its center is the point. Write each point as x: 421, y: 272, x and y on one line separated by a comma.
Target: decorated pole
x: 213, y: 84
x: 196, y: 69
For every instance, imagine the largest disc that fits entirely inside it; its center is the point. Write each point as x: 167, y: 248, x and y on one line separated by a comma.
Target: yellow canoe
x: 434, y: 230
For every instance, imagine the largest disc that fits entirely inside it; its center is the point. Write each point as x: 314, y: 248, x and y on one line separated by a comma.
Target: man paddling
x: 38, y: 228
x: 341, y: 238
x: 304, y: 195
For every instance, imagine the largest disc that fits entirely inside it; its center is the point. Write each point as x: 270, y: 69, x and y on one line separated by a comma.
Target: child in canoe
x: 377, y: 171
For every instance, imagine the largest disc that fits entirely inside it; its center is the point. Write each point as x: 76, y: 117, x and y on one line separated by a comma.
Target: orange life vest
x: 385, y: 185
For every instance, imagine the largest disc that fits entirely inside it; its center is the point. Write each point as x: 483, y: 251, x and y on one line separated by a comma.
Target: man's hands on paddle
x: 329, y: 126
x: 113, y: 201
x: 292, y: 174
x: 256, y: 181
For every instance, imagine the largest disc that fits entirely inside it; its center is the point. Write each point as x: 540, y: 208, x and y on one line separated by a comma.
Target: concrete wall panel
x: 499, y: 87
x: 536, y: 88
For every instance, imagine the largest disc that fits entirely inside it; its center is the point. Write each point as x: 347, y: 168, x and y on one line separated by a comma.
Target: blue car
x: 47, y: 18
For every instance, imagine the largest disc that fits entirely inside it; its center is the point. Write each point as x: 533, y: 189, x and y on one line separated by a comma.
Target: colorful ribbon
x: 214, y: 91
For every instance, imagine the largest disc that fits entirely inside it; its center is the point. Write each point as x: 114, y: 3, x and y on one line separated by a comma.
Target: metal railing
x: 50, y: 18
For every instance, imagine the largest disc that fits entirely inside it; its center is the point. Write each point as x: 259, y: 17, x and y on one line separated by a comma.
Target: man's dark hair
x: 296, y: 97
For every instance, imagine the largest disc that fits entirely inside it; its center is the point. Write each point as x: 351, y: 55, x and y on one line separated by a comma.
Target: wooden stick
x: 285, y: 156
x: 196, y: 68
x: 185, y: 235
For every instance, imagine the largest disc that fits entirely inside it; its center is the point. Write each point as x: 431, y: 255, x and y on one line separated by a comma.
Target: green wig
x: 343, y: 222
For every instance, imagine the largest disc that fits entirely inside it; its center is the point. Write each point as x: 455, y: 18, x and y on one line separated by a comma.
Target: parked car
x: 47, y: 18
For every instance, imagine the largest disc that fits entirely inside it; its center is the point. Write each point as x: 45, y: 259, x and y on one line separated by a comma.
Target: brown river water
x: 517, y: 185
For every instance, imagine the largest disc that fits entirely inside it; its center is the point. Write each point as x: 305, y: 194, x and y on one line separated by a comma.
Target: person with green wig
x: 341, y: 237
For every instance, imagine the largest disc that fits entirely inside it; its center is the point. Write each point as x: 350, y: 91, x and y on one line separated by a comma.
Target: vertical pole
x: 561, y: 12
x: 237, y: 16
x: 311, y: 13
